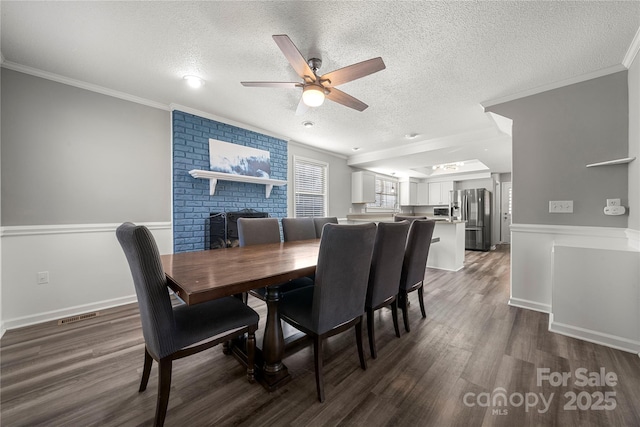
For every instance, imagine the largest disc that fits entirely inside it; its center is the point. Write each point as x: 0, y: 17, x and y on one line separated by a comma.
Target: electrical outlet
x: 613, y: 202
x: 43, y: 277
x: 561, y: 206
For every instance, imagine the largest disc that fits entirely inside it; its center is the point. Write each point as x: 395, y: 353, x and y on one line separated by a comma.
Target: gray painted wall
x: 339, y: 185
x: 555, y: 134
x: 71, y: 156
x: 634, y: 144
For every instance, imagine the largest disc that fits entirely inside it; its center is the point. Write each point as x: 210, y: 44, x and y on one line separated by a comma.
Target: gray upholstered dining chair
x: 257, y: 231
x: 336, y: 302
x: 172, y: 333
x: 384, y: 276
x: 319, y: 222
x: 415, y: 265
x: 298, y: 229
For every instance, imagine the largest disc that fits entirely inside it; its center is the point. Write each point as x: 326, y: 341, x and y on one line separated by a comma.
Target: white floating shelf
x: 613, y: 162
x: 213, y: 178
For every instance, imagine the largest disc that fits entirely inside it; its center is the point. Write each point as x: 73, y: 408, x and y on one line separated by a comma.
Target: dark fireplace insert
x: 223, y: 227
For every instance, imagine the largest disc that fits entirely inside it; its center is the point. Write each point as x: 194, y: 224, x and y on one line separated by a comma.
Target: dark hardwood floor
x: 447, y: 371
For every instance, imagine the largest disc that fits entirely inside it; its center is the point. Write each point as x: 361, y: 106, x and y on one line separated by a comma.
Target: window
x: 386, y: 194
x: 310, y: 187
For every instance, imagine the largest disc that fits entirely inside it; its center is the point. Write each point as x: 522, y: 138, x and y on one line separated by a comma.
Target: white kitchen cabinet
x: 363, y: 187
x: 408, y: 193
x: 434, y: 193
x: 446, y: 188
x: 422, y: 198
x: 439, y: 192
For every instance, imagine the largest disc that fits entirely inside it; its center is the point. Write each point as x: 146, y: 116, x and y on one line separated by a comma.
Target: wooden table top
x: 205, y: 275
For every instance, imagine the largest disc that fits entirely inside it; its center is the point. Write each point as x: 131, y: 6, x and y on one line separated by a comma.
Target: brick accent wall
x: 191, y: 200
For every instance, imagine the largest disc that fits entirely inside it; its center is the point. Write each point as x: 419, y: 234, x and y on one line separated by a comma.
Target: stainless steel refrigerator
x: 474, y: 207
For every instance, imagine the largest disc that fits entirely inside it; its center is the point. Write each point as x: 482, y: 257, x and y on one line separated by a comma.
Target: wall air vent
x: 78, y: 318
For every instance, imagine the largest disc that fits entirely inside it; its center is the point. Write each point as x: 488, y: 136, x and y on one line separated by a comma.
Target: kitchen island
x: 447, y: 249
x: 448, y: 254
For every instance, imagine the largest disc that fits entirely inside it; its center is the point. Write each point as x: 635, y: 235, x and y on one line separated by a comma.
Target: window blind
x: 386, y: 194
x: 310, y: 182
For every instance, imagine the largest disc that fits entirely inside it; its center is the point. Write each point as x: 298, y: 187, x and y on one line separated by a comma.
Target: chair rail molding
x: 32, y: 230
x: 213, y: 178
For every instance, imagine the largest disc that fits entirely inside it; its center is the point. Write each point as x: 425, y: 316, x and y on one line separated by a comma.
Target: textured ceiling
x: 443, y: 59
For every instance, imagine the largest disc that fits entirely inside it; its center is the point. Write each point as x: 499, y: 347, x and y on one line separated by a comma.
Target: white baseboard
x: 66, y: 312
x: 530, y: 305
x: 594, y: 337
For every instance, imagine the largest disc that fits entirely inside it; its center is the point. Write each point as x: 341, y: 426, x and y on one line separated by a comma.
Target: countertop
x: 389, y: 218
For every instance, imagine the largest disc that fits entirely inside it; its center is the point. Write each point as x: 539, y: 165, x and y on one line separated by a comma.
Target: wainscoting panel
x: 86, y: 267
x: 596, y: 295
x: 569, y: 284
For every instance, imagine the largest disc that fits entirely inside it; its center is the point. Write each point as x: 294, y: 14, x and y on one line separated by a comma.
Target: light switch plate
x: 561, y: 206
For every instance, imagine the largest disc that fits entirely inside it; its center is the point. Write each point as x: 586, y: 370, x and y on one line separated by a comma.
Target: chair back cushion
x: 257, y: 231
x: 416, y: 252
x: 156, y: 313
x: 319, y: 222
x: 386, y: 263
x: 342, y: 274
x: 298, y: 229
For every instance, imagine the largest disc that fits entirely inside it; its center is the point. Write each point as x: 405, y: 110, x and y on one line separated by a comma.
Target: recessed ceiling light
x: 194, y: 81
x: 448, y: 166
x: 411, y: 135
x: 308, y: 124
x: 356, y: 148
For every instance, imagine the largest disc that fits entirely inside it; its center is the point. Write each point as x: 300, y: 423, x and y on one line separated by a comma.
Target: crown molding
x: 555, y: 85
x: 231, y: 122
x: 319, y: 150
x: 82, y: 85
x: 633, y: 50
x: 217, y: 118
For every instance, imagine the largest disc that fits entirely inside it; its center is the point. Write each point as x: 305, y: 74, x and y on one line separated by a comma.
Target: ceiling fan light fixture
x: 194, y: 81
x: 313, y: 95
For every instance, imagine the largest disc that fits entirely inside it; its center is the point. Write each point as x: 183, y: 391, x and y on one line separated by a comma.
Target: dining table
x: 200, y: 276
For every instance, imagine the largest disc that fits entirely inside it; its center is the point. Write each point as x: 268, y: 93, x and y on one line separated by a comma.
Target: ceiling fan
x: 316, y: 88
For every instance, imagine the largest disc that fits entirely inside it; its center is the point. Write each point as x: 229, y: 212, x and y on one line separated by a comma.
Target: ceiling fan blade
x: 352, y: 72
x: 294, y: 56
x: 302, y: 108
x: 284, y: 85
x: 347, y: 100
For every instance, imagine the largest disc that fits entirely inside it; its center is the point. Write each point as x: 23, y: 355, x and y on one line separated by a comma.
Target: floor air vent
x: 78, y: 318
